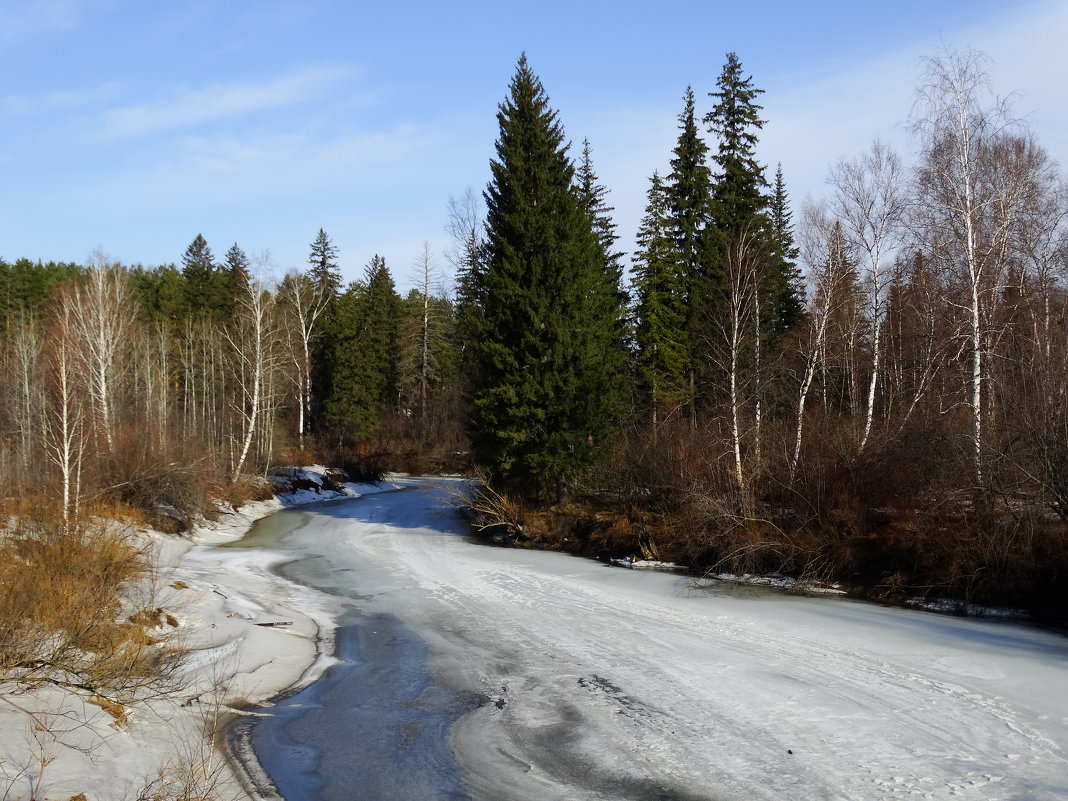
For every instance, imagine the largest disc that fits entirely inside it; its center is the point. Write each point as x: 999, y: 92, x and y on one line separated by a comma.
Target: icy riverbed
x: 528, y: 675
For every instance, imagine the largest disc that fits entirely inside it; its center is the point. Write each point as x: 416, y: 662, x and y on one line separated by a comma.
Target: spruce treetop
x: 198, y: 257
x: 324, y: 267
x: 735, y: 119
x: 237, y: 265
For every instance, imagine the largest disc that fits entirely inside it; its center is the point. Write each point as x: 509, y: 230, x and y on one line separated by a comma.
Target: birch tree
x: 252, y: 339
x: 970, y: 185
x: 870, y: 201
x: 736, y: 322
x: 63, y: 426
x: 26, y: 345
x: 824, y: 249
x: 304, y: 300
x: 101, y: 315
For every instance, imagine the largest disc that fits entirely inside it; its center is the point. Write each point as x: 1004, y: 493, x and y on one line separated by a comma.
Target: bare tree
x: 870, y: 201
x: 253, y: 338
x: 303, y: 303
x: 26, y: 348
x: 63, y: 427
x: 102, y: 311
x: 920, y: 335
x: 421, y: 334
x: 824, y: 249
x: 737, y: 329
x: 970, y: 187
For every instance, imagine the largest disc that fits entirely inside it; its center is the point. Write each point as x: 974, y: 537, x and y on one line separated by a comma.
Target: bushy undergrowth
x: 890, y: 524
x: 72, y: 607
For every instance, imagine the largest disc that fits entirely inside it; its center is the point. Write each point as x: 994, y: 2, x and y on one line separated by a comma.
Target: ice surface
x: 608, y: 683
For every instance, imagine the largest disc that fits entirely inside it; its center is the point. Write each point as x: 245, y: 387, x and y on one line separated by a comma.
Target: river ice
x: 584, y: 681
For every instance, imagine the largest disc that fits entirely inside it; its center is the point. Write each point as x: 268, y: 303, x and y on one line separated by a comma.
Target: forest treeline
x: 873, y: 392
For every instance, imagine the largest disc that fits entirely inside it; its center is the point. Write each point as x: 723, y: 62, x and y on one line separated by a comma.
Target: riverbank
x: 248, y: 635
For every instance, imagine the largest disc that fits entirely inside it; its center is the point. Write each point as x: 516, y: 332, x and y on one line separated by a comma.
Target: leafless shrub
x: 486, y: 505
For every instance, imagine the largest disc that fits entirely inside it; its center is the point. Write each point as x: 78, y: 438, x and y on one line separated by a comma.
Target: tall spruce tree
x: 689, y: 189
x: 548, y: 346
x: 206, y: 287
x: 236, y: 265
x: 663, y: 354
x: 326, y: 280
x: 689, y: 202
x: 785, y: 282
x: 741, y: 205
x: 593, y: 197
x: 324, y: 269
x: 738, y: 192
x: 362, y: 358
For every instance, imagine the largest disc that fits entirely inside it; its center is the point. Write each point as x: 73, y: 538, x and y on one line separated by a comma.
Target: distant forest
x: 873, y: 392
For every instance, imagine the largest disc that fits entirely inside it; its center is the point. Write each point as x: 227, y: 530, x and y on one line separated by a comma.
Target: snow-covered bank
x: 250, y: 635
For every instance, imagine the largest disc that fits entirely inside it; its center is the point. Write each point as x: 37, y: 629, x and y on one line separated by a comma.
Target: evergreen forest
x: 868, y: 390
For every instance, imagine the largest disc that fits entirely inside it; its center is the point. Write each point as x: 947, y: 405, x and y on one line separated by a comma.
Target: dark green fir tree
x: 689, y: 196
x: 660, y: 310
x: 325, y: 277
x: 324, y: 267
x: 738, y: 192
x: 548, y: 351
x: 237, y: 266
x: 785, y: 282
x: 593, y: 199
x: 360, y: 349
x: 206, y: 290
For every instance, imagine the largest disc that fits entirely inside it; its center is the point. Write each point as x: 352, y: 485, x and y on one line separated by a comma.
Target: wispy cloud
x: 27, y: 18
x: 62, y: 100
x: 816, y: 122
x: 189, y: 107
x: 223, y: 169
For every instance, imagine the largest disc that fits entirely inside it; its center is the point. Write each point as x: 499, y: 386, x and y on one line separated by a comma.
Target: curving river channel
x: 471, y: 672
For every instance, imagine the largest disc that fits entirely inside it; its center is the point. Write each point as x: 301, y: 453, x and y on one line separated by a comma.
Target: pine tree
x: 236, y: 266
x: 205, y: 292
x: 324, y: 268
x: 361, y: 353
x: 738, y: 192
x: 689, y: 202
x: 689, y: 190
x: 326, y: 284
x: 547, y: 351
x: 592, y: 198
x: 785, y: 283
x: 661, y: 307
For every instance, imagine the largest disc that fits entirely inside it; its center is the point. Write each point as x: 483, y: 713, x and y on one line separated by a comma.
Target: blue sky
x: 131, y: 126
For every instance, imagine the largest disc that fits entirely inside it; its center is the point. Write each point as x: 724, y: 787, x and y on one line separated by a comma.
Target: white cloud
x: 815, y: 123
x: 187, y: 107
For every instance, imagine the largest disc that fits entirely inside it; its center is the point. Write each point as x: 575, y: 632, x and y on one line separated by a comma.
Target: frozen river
x: 472, y: 672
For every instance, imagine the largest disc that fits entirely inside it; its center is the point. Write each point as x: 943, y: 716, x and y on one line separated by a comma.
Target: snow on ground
x: 54, y: 744
x: 613, y: 684
x: 599, y: 683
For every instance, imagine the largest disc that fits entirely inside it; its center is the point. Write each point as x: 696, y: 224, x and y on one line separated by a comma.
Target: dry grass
x: 61, y: 610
